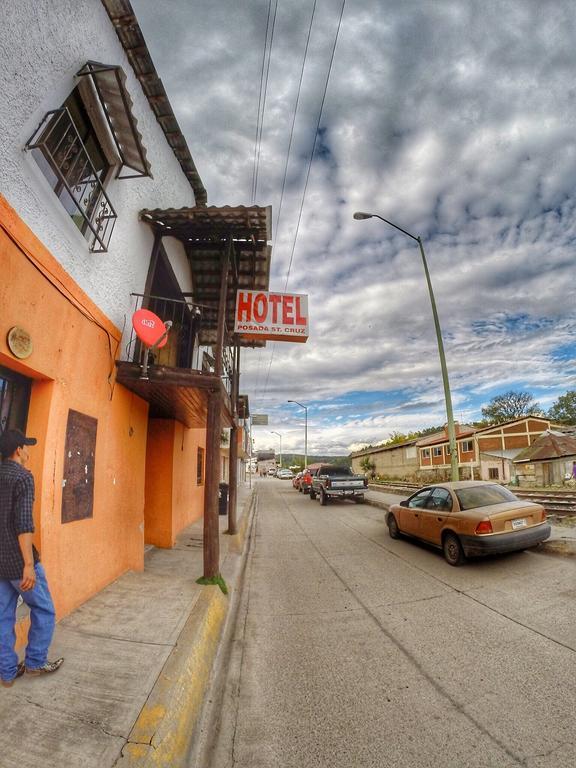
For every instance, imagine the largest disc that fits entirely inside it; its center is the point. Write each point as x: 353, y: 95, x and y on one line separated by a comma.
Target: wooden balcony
x: 180, y: 375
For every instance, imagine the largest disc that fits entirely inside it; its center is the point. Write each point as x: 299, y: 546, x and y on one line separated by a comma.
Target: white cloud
x: 454, y: 120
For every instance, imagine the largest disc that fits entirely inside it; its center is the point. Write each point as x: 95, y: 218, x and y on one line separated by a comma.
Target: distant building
x: 550, y: 460
x: 484, y: 454
x: 265, y: 460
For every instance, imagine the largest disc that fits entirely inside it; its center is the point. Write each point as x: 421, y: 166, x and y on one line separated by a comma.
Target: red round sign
x: 149, y: 328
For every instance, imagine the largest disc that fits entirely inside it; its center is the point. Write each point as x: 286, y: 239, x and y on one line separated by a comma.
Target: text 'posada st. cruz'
x: 274, y: 316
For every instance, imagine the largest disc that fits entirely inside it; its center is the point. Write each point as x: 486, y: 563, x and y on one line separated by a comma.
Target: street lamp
x: 447, y: 396
x: 280, y: 436
x: 305, y: 430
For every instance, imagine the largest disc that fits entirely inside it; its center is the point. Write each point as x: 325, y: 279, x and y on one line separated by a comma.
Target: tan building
x: 483, y: 454
x: 398, y: 461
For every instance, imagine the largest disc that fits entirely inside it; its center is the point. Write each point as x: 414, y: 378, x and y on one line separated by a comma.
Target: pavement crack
x: 132, y: 641
x: 462, y: 592
x: 74, y: 716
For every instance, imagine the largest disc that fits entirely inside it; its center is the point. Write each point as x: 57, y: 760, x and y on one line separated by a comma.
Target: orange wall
x: 173, y: 499
x: 71, y: 364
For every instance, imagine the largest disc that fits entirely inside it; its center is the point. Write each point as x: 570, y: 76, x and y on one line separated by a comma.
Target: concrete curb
x: 167, y: 725
x: 556, y: 545
x: 560, y: 547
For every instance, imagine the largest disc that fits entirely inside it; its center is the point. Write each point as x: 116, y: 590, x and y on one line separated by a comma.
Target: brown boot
x: 46, y: 669
x: 19, y: 672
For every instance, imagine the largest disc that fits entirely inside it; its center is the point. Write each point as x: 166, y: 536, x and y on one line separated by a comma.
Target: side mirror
x: 404, y: 503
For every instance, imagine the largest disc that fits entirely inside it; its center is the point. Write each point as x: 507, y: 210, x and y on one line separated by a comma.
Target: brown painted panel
x: 489, y: 443
x: 514, y: 429
x: 79, y: 460
x: 535, y: 425
x: 519, y: 441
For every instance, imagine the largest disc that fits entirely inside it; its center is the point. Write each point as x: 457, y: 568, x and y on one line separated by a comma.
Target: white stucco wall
x: 43, y: 43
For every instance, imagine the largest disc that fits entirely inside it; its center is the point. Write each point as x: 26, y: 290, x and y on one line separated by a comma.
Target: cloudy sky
x: 456, y: 120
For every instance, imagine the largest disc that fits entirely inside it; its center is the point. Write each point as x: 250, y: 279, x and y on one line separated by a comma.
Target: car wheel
x: 393, y: 529
x: 299, y: 489
x: 359, y: 499
x: 453, y: 552
x: 323, y: 499
x: 312, y: 494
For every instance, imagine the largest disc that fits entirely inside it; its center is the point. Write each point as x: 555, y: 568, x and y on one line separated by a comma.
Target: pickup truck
x: 332, y: 482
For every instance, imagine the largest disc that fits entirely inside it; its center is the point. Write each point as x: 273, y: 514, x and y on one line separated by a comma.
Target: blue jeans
x: 42, y: 622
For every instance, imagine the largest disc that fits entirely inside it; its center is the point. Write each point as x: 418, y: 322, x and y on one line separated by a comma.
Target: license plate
x: 519, y: 523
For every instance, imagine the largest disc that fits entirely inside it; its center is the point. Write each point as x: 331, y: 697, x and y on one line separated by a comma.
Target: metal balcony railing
x: 182, y: 349
x: 64, y: 160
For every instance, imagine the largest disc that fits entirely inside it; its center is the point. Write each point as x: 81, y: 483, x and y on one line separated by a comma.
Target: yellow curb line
x: 236, y: 543
x: 166, y: 726
x: 164, y: 729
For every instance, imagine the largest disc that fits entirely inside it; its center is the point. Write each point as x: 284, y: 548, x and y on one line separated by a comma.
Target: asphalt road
x: 352, y: 650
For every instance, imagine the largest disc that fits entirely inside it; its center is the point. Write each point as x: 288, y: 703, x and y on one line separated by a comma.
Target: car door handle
x: 441, y: 519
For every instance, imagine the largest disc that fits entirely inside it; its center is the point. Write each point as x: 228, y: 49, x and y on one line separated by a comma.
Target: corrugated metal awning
x: 110, y: 85
x: 207, y: 232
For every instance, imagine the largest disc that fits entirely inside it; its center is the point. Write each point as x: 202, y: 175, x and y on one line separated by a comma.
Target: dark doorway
x: 14, y: 400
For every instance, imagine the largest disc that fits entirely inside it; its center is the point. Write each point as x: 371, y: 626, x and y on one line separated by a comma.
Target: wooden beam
x: 213, y: 428
x: 211, y: 541
x: 233, y: 455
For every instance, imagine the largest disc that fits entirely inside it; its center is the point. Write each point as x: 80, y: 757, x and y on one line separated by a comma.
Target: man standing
x: 21, y: 572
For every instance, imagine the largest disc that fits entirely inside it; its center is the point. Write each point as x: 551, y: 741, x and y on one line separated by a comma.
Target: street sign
x: 259, y: 419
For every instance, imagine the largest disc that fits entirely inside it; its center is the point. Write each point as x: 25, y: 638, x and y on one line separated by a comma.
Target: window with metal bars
x: 70, y: 155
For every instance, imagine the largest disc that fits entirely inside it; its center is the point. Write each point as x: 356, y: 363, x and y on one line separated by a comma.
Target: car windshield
x: 331, y: 471
x: 483, y: 496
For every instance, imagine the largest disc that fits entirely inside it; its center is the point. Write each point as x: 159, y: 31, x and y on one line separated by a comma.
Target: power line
x: 308, y: 172
x: 294, y: 120
x: 262, y: 98
x: 314, y: 145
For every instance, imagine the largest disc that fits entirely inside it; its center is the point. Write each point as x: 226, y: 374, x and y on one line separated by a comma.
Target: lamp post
x: 305, y: 430
x: 280, y: 436
x: 447, y: 396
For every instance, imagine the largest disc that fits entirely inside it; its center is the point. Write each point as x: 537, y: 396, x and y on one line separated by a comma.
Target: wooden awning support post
x: 213, y: 430
x: 233, y: 469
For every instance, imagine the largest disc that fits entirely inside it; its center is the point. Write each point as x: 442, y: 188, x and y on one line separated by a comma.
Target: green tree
x: 510, y: 405
x: 564, y: 409
x: 368, y: 466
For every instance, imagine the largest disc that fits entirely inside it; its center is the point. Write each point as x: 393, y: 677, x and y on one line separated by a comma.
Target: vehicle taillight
x: 365, y: 482
x: 544, y: 516
x: 484, y: 527
x: 328, y: 482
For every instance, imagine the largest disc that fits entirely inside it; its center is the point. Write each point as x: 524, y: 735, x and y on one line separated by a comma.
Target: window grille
x: 76, y: 171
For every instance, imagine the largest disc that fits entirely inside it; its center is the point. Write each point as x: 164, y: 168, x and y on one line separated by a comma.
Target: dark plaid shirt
x: 16, y: 499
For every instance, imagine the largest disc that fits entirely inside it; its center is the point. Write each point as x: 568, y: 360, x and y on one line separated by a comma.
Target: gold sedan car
x: 469, y: 518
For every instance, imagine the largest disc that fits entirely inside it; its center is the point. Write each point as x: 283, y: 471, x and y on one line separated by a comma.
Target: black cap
x: 12, y: 439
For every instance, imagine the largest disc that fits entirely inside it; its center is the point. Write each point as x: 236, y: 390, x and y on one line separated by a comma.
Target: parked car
x: 271, y: 472
x: 333, y: 482
x: 305, y: 481
x: 469, y: 518
x: 285, y: 474
x: 296, y: 480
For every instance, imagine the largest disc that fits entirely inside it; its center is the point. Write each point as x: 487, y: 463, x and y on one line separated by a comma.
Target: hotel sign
x: 271, y: 316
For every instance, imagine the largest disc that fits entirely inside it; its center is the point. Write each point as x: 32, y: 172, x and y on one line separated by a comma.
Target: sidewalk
x: 138, y: 661
x: 562, y: 540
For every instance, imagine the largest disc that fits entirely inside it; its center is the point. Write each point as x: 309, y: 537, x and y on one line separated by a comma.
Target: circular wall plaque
x: 19, y: 342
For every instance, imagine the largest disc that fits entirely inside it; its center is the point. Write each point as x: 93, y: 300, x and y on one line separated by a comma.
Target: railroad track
x: 560, y: 503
